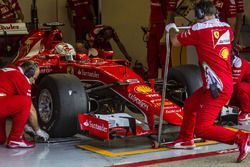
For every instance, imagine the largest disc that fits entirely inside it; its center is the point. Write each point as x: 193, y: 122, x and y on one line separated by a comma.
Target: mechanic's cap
x: 65, y: 49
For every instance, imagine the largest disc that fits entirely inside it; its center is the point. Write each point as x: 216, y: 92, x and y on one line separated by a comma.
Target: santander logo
x: 89, y: 123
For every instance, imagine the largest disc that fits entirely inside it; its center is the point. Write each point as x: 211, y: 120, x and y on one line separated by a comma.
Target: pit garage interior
x: 127, y: 17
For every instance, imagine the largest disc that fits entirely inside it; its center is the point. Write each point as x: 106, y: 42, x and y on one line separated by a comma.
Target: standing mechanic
x: 161, y: 13
x: 82, y: 17
x: 231, y: 11
x: 10, y: 12
x: 212, y: 39
x: 99, y: 38
x: 241, y: 78
x: 15, y: 99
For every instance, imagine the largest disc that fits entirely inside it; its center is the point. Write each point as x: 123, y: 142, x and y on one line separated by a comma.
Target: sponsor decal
x: 138, y: 101
x: 70, y: 70
x: 92, y: 74
x: 9, y: 27
x: 216, y: 34
x: 45, y: 70
x: 220, y: 37
x: 90, y: 124
x: 153, y: 95
x: 143, y: 89
x: 166, y: 103
x: 224, y: 53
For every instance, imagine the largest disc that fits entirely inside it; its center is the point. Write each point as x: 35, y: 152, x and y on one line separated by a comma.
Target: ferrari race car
x: 101, y: 97
x: 95, y: 91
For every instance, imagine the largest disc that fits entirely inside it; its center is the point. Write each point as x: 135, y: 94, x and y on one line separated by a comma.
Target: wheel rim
x: 177, y: 92
x: 45, y: 106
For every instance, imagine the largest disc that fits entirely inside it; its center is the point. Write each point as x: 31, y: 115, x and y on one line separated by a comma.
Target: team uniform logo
x: 224, y: 53
x: 220, y: 37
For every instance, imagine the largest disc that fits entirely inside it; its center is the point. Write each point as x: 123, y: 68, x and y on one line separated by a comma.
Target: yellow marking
x: 114, y: 154
x: 235, y: 130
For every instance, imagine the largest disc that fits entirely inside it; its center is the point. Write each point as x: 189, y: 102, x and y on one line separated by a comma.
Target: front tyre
x: 60, y: 98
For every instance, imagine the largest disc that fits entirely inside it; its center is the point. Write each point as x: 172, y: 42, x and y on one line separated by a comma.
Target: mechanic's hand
x: 42, y: 134
x: 29, y: 130
x: 170, y: 26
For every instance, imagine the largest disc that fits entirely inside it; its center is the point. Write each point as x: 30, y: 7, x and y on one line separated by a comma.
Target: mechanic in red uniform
x: 212, y: 39
x: 99, y: 38
x: 82, y: 17
x: 15, y: 99
x: 231, y: 11
x: 161, y: 13
x: 241, y: 78
x: 10, y: 12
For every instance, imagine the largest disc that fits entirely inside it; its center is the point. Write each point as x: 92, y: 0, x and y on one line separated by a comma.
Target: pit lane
x: 84, y: 151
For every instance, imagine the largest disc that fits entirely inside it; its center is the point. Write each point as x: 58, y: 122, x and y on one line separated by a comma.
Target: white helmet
x: 65, y: 50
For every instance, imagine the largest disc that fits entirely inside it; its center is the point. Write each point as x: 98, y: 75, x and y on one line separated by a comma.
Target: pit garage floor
x: 81, y: 151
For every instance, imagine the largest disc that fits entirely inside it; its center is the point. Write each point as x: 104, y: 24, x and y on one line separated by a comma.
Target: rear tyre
x: 186, y: 80
x: 60, y: 98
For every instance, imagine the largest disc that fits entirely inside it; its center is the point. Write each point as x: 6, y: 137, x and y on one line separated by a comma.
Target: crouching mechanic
x: 241, y: 78
x: 212, y: 40
x: 15, y: 99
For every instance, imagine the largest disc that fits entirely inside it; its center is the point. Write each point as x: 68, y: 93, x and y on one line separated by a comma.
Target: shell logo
x: 224, y: 53
x: 216, y: 34
x: 143, y: 89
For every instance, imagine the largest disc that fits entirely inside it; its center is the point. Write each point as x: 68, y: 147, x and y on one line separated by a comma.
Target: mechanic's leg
x: 191, y: 106
x: 20, y: 113
x: 2, y: 130
x: 152, y: 54
x: 242, y: 92
x: 205, y: 127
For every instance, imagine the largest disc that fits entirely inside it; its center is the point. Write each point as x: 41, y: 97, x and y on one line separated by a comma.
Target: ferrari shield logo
x: 70, y: 70
x: 216, y: 34
x: 221, y: 37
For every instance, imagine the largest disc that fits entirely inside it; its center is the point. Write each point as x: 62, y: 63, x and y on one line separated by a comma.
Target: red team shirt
x: 229, y: 8
x: 81, y: 8
x: 213, y: 44
x: 7, y: 11
x: 158, y: 9
x: 14, y: 82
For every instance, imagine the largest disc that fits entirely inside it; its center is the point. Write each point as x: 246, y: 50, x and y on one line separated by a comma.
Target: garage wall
x: 47, y: 13
x: 126, y: 16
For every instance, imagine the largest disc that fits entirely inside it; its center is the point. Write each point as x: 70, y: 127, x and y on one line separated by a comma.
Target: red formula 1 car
x: 105, y: 95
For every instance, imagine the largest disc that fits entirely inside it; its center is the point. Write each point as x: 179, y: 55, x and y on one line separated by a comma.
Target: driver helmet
x: 65, y: 50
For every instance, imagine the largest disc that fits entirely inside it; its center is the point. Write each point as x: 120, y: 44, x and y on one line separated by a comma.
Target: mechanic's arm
x: 173, y: 38
x: 35, y: 129
x: 33, y: 121
x: 121, y: 47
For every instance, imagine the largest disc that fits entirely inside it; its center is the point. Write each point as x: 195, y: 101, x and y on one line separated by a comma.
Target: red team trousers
x: 18, y: 108
x: 201, y: 110
x: 156, y: 52
x: 242, y: 92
